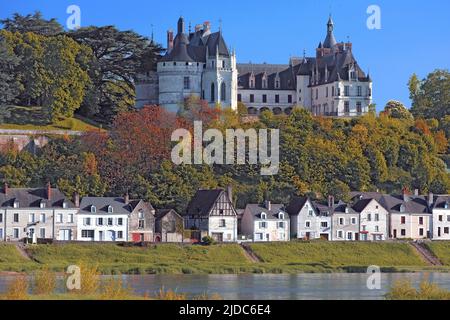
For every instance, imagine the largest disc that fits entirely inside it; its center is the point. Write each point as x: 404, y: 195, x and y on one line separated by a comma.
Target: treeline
x: 319, y: 156
x: 90, y: 71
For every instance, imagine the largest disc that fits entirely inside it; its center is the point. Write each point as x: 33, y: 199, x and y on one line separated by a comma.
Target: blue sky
x: 414, y: 35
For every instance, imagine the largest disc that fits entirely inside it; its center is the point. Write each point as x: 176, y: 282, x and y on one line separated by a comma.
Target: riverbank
x: 273, y: 258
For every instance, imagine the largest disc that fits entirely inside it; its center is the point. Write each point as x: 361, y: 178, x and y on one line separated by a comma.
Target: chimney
x: 126, y: 198
x: 49, y: 191
x: 76, y: 199
x: 6, y: 189
x: 330, y: 201
x: 405, y: 194
x: 268, y: 205
x: 206, y: 25
x: 430, y: 199
x: 230, y: 193
x: 169, y: 41
x: 198, y: 27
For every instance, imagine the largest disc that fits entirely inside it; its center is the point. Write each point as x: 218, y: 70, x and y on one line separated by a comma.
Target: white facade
x: 410, y: 225
x: 309, y: 224
x: 441, y: 222
x: 269, y: 224
x: 102, y: 227
x: 374, y: 222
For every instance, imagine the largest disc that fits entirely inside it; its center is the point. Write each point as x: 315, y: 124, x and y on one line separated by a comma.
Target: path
x: 21, y: 248
x: 250, y: 254
x: 429, y: 257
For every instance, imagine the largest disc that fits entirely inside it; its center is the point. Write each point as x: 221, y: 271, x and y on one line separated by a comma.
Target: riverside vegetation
x: 294, y: 257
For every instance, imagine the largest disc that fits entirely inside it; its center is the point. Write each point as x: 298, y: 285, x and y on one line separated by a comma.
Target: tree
x: 431, y: 96
x: 118, y: 57
x: 9, y: 82
x: 32, y: 23
x: 397, y: 110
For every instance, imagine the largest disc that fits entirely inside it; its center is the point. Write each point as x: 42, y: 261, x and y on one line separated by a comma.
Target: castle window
x: 317, y: 94
x: 277, y: 98
x: 347, y: 107
x: 326, y: 92
x: 346, y: 91
x: 252, y: 98
x: 359, y: 91
x: 174, y: 63
x: 164, y: 64
x: 358, y: 107
x: 277, y: 84
x: 240, y: 97
x: 187, y: 83
x: 223, y: 64
x: 289, y: 98
x: 213, y: 95
x: 203, y: 94
x: 264, y: 98
x: 223, y: 92
x: 252, y: 83
x: 332, y: 91
x: 212, y: 64
x: 264, y: 84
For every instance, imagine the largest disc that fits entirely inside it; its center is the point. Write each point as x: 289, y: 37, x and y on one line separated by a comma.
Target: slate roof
x: 272, y: 214
x: 102, y: 203
x: 361, y: 204
x: 296, y: 204
x: 195, y: 46
x: 161, y: 213
x: 441, y: 200
x: 32, y: 198
x: 203, y: 201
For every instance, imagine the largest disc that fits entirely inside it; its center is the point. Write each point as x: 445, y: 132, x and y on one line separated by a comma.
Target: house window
x: 377, y: 229
x: 421, y: 232
x: 441, y: 218
x: 448, y: 218
x: 359, y: 107
x: 42, y: 218
x: 16, y: 204
x: 120, y: 234
x: 403, y: 220
x: 346, y: 91
x: 317, y: 94
x: 93, y: 209
x: 110, y: 221
x: 308, y: 224
x: 240, y: 97
x: 42, y: 206
x: 377, y: 217
x: 70, y: 218
x: 364, y: 228
x: 346, y: 106
x: 100, y: 221
x: 213, y: 94
x: 263, y: 225
x: 340, y: 234
x: 281, y: 225
x: 1, y: 217
x: 264, y: 98
x: 349, y: 236
x: 403, y: 232
x: 87, y: 233
x: 141, y: 224
x: 359, y: 91
x: 277, y: 98
x: 324, y: 224
x: 16, y: 232
x: 223, y: 64
x: 120, y: 221
x: 31, y: 218
x: 222, y: 223
x: 42, y: 233
x: 353, y: 221
x: 87, y: 221
x: 110, y: 209
x: 258, y: 236
x: 446, y: 230
x: 1, y: 233
x: 221, y: 212
x: 141, y: 214
x: 341, y: 221
x: 223, y: 92
x: 263, y: 216
x: 289, y: 98
x: 369, y: 217
x: 16, y: 217
x: 65, y: 205
x: 281, y: 216
x: 277, y: 84
x: 421, y: 220
x: 252, y: 98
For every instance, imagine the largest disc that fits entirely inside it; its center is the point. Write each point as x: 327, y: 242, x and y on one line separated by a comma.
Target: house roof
x: 441, y: 201
x: 102, y: 203
x: 296, y: 205
x: 255, y: 210
x: 203, y: 201
x: 32, y: 198
x: 362, y: 204
x: 412, y: 204
x: 161, y: 213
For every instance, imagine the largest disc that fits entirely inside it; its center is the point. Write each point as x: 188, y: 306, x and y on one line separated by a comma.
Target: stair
x: 249, y: 253
x: 426, y: 254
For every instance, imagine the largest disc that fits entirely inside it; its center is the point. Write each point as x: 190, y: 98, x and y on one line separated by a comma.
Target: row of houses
x: 47, y: 214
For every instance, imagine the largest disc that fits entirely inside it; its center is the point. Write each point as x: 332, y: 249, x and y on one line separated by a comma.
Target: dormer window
x: 347, y: 210
x: 93, y: 209
x: 447, y: 205
x: 402, y: 208
x: 281, y: 216
x: 42, y: 205
x: 65, y: 205
x: 16, y: 204
x: 263, y: 216
x: 110, y: 209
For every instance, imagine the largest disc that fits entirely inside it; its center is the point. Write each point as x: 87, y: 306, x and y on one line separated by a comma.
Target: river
x: 333, y: 286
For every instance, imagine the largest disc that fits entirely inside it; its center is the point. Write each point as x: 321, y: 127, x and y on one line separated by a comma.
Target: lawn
x: 169, y: 258
x: 12, y: 260
x: 441, y: 250
x: 36, y: 118
x: 339, y: 254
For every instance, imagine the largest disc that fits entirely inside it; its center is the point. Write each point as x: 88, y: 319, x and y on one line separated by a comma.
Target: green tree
x: 9, y: 82
x: 397, y: 110
x: 32, y: 23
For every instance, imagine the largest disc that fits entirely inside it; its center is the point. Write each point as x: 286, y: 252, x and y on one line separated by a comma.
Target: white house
x: 269, y: 222
x: 309, y: 220
x: 103, y: 219
x: 441, y: 217
x: 373, y: 220
x: 345, y: 223
x: 211, y: 212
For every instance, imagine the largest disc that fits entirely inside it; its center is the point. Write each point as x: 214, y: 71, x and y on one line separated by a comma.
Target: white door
x: 101, y: 236
x: 111, y: 235
x: 65, y: 235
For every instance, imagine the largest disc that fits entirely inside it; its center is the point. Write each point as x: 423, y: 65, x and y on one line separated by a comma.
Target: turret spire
x: 181, y: 25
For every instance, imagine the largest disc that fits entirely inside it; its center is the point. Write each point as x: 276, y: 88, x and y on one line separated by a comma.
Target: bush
x: 403, y: 290
x: 18, y: 289
x: 113, y: 289
x: 207, y: 241
x: 44, y: 282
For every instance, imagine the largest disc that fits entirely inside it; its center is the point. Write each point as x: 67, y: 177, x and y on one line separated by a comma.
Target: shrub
x: 18, y: 289
x: 44, y: 282
x: 170, y: 295
x: 403, y: 290
x: 114, y: 289
x: 90, y: 278
x: 207, y: 241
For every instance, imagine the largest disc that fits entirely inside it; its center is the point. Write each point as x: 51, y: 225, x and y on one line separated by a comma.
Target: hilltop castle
x: 200, y: 63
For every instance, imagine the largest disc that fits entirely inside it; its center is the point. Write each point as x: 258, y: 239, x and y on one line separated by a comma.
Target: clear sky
x: 414, y: 34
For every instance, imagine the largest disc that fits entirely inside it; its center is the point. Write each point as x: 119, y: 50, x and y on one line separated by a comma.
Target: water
x: 335, y: 286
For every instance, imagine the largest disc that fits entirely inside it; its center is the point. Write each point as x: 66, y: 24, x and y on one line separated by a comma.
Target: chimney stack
x: 126, y: 198
x: 49, y: 191
x: 169, y: 41
x: 430, y: 199
x: 330, y: 201
x: 6, y: 188
x: 76, y: 199
x: 406, y: 194
x: 230, y: 193
x: 268, y: 205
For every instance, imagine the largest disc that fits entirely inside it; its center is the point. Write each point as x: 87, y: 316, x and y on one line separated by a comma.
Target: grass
x: 276, y: 258
x: 404, y: 290
x: 36, y: 118
x: 440, y: 250
x: 339, y: 255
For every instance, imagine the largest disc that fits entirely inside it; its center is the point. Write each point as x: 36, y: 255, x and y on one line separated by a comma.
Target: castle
x: 199, y: 63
